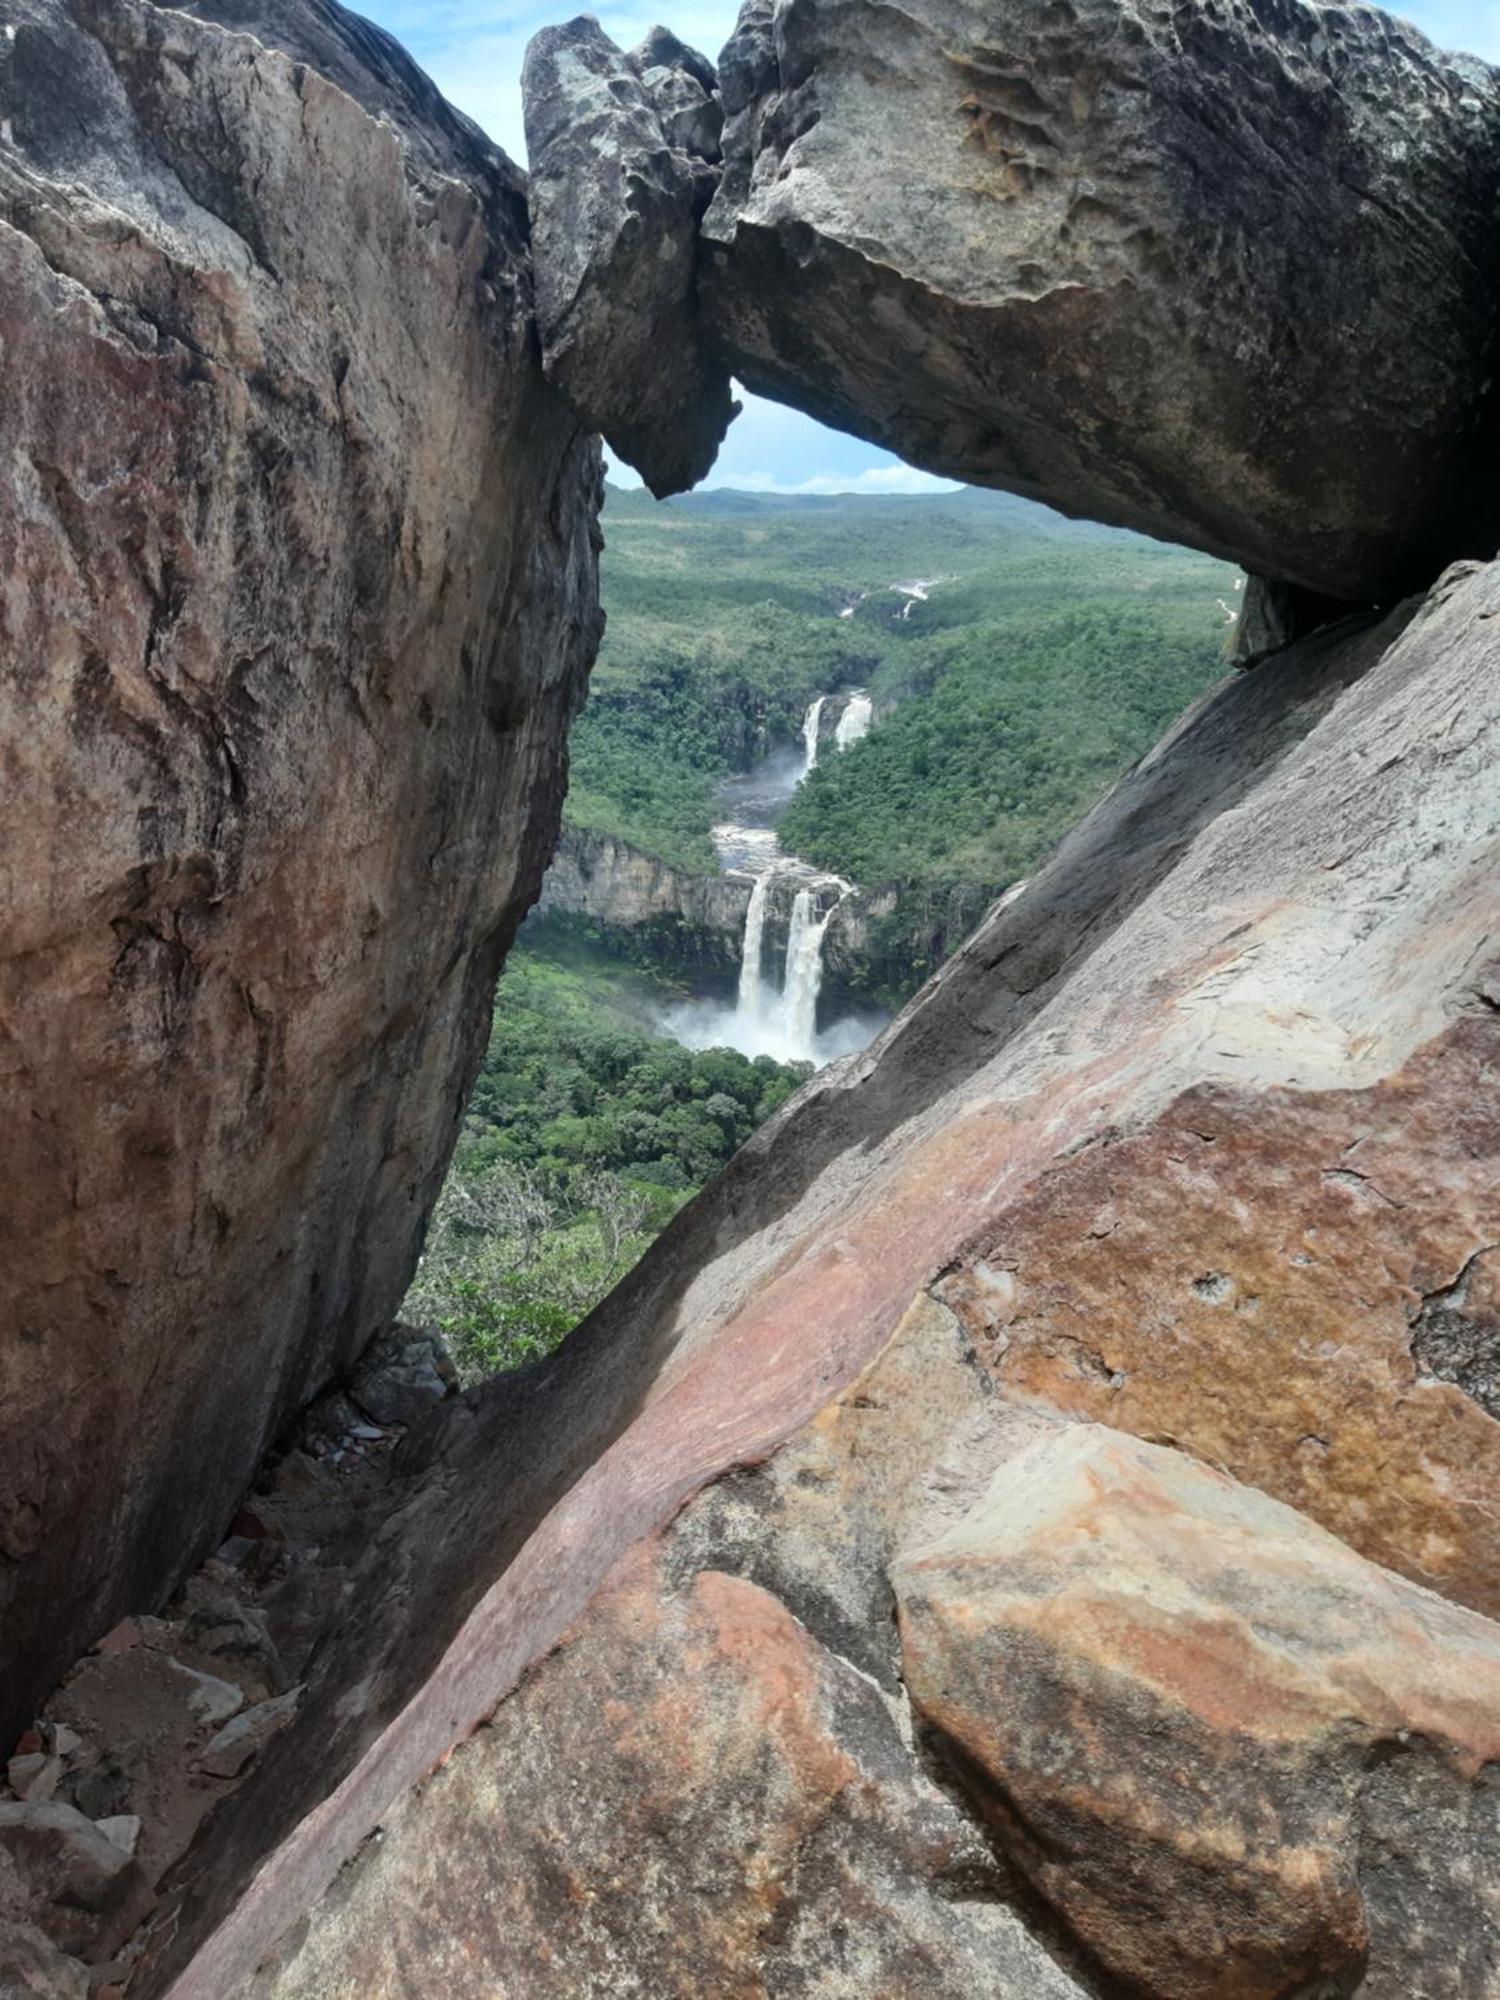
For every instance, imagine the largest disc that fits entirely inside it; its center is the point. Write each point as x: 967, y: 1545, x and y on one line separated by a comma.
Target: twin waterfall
x: 783, y: 1021
x: 781, y: 1018
x: 852, y: 726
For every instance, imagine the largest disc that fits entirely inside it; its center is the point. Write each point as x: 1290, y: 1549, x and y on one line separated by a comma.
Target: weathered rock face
x: 1287, y: 910
x: 623, y: 152
x: 1195, y: 1719
x: 1197, y: 1136
x: 694, y: 920
x: 753, y: 1825
x: 1225, y: 275
x: 300, y: 594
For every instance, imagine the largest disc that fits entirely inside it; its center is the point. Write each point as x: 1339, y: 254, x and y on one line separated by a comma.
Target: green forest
x: 1047, y: 656
x: 586, y: 1133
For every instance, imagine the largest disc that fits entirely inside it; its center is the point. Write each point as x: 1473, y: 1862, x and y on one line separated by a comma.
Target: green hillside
x: 1048, y: 656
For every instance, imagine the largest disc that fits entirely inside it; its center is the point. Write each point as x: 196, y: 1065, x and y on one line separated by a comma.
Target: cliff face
x: 684, y: 920
x: 300, y: 596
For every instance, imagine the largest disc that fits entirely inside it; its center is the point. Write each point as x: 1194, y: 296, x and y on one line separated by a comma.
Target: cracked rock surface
x: 299, y: 600
x: 1168, y: 1693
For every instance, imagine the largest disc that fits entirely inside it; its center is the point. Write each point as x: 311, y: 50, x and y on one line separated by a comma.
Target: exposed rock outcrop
x: 1194, y: 1719
x: 300, y: 595
x: 623, y: 165
x: 1196, y: 1140
x: 1225, y: 275
x: 687, y: 920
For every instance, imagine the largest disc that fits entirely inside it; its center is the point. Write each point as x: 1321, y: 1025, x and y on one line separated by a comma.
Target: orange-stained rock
x: 1239, y: 1759
x: 690, y: 1800
x: 1295, y: 1285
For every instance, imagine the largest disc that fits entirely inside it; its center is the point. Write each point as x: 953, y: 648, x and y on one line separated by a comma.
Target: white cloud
x: 874, y: 479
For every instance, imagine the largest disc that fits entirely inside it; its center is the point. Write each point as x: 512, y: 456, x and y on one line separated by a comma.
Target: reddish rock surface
x: 1293, y: 1285
x: 299, y: 600
x: 751, y: 1825
x: 1242, y: 1761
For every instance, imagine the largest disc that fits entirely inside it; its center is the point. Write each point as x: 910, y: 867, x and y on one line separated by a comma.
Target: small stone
x: 27, y: 1743
x: 34, y: 1777
x: 88, y: 1894
x: 124, y: 1829
x: 247, y: 1735
x: 403, y: 1376
x: 236, y: 1551
x: 367, y: 1434
x: 103, y: 1789
x: 210, y: 1699
x: 65, y: 1741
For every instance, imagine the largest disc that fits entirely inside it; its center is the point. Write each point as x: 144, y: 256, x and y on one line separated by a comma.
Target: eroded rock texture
x: 298, y: 598
x: 624, y: 153
x: 1194, y: 1718
x: 1225, y: 274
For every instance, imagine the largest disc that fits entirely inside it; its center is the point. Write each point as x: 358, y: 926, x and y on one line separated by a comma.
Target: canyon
x: 1027, y: 1528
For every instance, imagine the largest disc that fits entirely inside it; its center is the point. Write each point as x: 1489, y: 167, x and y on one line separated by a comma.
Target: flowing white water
x: 804, y: 971
x: 811, y: 723
x: 771, y: 1016
x: 752, y: 987
x: 854, y: 723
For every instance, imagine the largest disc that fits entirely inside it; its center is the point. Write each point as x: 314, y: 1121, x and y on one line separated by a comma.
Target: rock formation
x: 1256, y: 961
x: 299, y: 599
x: 624, y: 153
x: 1027, y: 1531
x: 693, y: 921
x: 1169, y: 1694
x: 1227, y: 276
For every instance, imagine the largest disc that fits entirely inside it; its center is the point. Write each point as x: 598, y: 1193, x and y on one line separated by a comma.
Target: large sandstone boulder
x: 1240, y: 1759
x: 624, y: 153
x: 299, y: 598
x: 1225, y: 274
x: 1279, y: 925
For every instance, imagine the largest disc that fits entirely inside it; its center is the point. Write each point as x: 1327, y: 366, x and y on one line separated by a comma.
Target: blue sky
x: 473, y: 48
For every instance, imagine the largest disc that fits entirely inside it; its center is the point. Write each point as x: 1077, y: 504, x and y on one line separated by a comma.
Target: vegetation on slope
x: 1031, y: 715
x: 586, y: 1134
x: 1050, y: 655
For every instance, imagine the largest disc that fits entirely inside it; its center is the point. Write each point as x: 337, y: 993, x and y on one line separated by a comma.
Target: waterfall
x: 854, y: 723
x: 752, y: 990
x: 804, y: 974
x: 811, y: 723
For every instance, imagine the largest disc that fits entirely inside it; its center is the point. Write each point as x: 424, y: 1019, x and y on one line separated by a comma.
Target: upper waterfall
x: 811, y: 723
